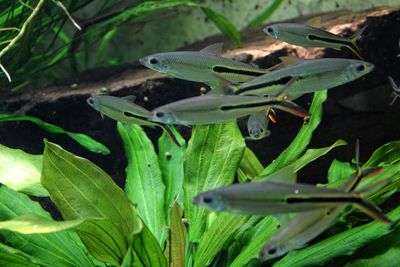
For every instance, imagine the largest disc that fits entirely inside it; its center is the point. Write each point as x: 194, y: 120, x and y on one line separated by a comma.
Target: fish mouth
x: 143, y: 61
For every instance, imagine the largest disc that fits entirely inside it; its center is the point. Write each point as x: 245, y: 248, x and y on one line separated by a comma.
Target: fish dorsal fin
x: 130, y: 98
x: 357, y: 34
x: 215, y: 49
x: 314, y: 22
x: 290, y: 61
x: 284, y: 175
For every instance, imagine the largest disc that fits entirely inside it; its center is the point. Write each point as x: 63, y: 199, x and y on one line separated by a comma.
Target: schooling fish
x: 257, y: 125
x: 204, y: 66
x: 308, y: 36
x: 270, y: 197
x: 212, y: 109
x: 305, y: 226
x: 311, y: 75
x: 124, y: 110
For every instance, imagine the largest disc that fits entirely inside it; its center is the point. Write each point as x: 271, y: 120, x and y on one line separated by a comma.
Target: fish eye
x: 360, y: 67
x: 272, y: 250
x: 153, y: 60
x: 159, y: 114
x: 207, y: 200
x: 270, y: 30
x: 91, y: 101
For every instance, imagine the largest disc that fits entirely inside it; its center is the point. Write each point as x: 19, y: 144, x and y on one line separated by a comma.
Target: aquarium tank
x: 191, y: 133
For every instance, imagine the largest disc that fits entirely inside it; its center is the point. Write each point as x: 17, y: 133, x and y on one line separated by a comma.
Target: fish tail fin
x: 292, y: 108
x: 373, y: 211
x: 168, y: 130
x: 353, y: 40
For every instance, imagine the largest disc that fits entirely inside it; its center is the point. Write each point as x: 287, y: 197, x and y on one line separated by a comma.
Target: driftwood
x: 356, y: 110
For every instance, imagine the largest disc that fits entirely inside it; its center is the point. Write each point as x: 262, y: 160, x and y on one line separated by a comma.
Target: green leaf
x: 170, y: 159
x: 80, y: 189
x: 339, y: 171
x: 54, y: 249
x: 211, y: 161
x: 224, y: 25
x: 314, y: 153
x: 84, y: 140
x: 32, y: 223
x: 259, y: 235
x: 20, y: 171
x: 302, y: 139
x: 177, y: 238
x: 344, y: 243
x: 388, y: 259
x: 266, y: 14
x: 249, y: 166
x: 387, y: 154
x: 144, y: 184
x: 221, y: 231
x: 10, y: 256
x: 146, y: 250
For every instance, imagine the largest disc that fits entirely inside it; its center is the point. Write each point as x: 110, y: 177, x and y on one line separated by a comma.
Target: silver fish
x: 205, y: 66
x: 212, y: 109
x: 124, y: 110
x: 308, y: 36
x: 312, y: 75
x: 257, y: 125
x: 270, y: 197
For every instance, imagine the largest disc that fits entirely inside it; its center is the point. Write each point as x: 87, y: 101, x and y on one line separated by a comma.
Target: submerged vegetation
x: 194, y: 202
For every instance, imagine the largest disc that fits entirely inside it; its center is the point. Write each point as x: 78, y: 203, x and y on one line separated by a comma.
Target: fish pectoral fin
x: 130, y: 98
x: 215, y: 49
x: 221, y: 86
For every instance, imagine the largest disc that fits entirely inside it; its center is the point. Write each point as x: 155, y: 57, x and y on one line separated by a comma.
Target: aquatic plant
x: 154, y: 223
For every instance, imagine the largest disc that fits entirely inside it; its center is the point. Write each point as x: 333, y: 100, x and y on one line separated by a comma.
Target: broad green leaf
x: 144, y: 184
x: 20, y: 171
x: 314, y: 153
x: 344, y: 243
x: 214, y: 238
x: 388, y: 259
x: 32, y: 223
x: 387, y: 154
x: 10, y: 256
x: 303, y: 137
x: 84, y: 140
x: 224, y: 25
x: 266, y: 14
x: 211, y: 161
x: 249, y: 166
x: 176, y: 238
x: 146, y: 250
x: 259, y: 236
x: 80, y: 189
x: 170, y: 159
x: 54, y: 249
x: 339, y: 171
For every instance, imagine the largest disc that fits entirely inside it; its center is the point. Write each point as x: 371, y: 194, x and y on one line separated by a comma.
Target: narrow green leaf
x: 211, y: 161
x: 344, y: 243
x: 249, y: 166
x: 177, y: 238
x: 266, y: 14
x: 258, y: 235
x: 221, y: 231
x: 84, y: 140
x: 53, y: 249
x: 224, y: 25
x: 388, y: 259
x: 386, y: 154
x: 303, y: 137
x: 146, y: 250
x: 314, y: 153
x: 20, y: 171
x: 10, y: 256
x: 170, y: 159
x: 80, y: 189
x: 144, y: 184
x: 32, y: 223
x: 339, y: 171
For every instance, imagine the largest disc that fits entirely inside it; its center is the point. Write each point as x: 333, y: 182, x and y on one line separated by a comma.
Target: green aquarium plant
x: 153, y: 222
